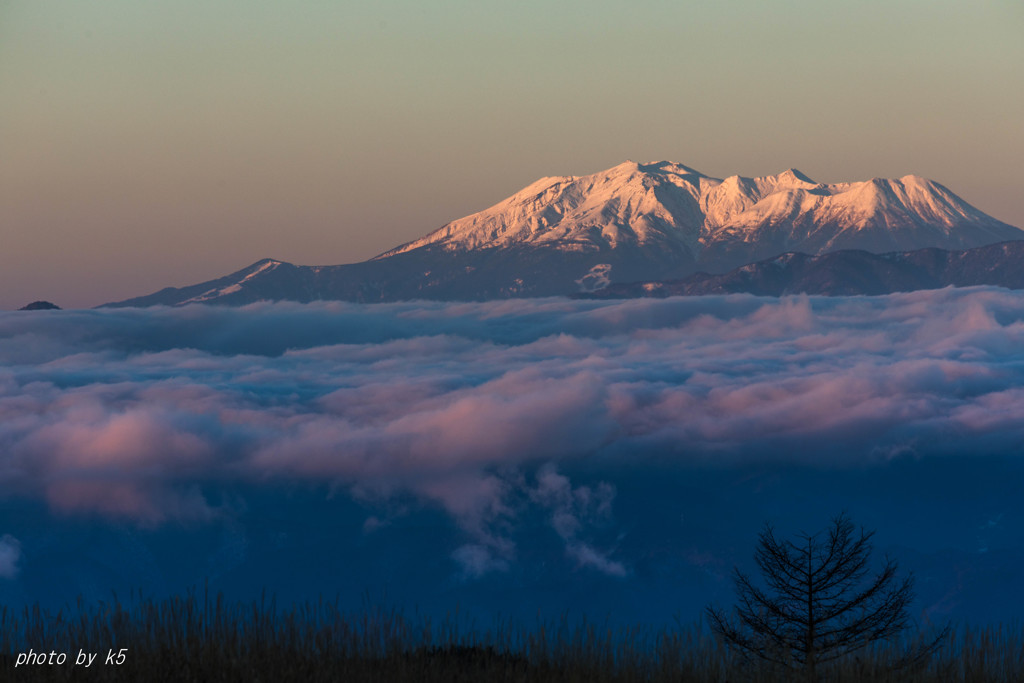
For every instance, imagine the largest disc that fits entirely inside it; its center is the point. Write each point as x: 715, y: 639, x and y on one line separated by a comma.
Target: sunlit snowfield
x: 613, y: 458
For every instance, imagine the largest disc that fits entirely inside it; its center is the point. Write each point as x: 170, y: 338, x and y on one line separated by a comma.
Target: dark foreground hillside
x: 201, y: 638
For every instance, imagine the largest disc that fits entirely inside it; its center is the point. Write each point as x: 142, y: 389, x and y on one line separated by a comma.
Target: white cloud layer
x: 130, y: 413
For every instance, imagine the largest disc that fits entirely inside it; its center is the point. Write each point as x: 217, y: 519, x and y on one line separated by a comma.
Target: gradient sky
x: 147, y: 144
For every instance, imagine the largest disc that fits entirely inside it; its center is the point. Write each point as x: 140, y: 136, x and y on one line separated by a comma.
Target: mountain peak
x: 792, y: 174
x: 672, y: 167
x: 40, y: 306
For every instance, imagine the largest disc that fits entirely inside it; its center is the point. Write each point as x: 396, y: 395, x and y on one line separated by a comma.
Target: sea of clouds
x: 487, y: 412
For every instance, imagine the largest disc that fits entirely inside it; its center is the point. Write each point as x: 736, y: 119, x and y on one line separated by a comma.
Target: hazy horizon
x: 166, y: 144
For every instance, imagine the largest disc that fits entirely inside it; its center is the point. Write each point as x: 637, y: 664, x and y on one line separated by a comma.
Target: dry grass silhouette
x: 201, y: 637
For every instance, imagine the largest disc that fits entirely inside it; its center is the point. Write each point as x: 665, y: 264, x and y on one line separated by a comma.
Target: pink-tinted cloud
x: 129, y: 413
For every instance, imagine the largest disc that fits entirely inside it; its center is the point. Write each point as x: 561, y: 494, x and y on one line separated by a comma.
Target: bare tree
x: 822, y: 602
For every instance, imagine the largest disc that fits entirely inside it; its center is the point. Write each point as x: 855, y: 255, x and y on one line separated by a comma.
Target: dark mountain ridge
x: 846, y: 273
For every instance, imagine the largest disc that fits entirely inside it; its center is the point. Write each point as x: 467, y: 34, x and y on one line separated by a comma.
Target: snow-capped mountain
x: 655, y: 221
x: 672, y: 206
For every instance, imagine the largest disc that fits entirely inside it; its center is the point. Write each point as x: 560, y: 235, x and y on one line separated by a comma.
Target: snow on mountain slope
x: 669, y: 204
x: 630, y: 204
x: 236, y: 286
x: 830, y: 214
